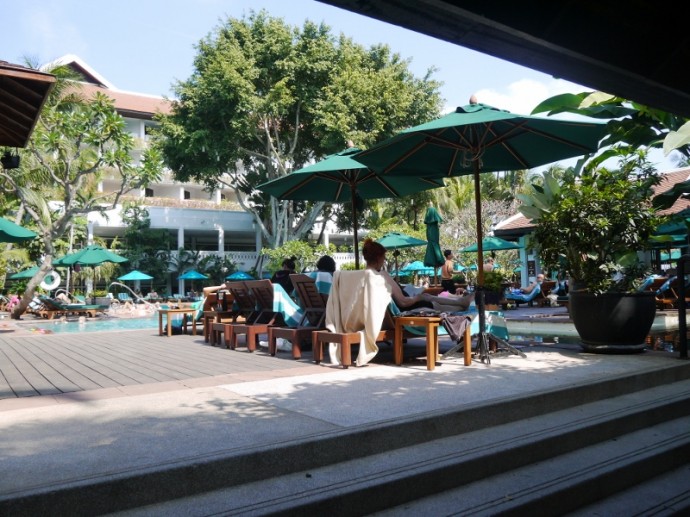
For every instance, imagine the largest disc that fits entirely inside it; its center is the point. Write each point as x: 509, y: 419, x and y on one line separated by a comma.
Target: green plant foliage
x: 594, y: 226
x: 306, y: 255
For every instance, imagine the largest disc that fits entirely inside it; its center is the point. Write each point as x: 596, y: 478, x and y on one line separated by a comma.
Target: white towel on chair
x: 357, y: 303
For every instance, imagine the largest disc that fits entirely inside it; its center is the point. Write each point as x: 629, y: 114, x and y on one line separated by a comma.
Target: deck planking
x: 49, y: 364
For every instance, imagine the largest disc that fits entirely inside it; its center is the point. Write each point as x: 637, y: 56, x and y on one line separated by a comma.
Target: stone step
x: 487, y: 461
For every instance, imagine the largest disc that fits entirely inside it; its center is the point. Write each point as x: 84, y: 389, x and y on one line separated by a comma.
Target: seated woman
x: 375, y: 256
x: 526, y: 294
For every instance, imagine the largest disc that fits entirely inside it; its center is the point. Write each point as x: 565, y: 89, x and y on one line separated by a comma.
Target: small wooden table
x: 170, y: 313
x: 430, y: 324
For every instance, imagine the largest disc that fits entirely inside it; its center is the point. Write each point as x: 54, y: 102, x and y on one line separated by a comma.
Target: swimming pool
x: 100, y: 324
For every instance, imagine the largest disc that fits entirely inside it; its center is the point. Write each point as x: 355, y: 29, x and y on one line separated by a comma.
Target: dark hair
x: 289, y: 263
x: 326, y: 263
x: 372, y: 250
x: 447, y: 253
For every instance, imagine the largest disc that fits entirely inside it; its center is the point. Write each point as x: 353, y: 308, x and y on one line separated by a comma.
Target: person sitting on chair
x: 375, y: 256
x: 526, y: 294
x: 282, y: 276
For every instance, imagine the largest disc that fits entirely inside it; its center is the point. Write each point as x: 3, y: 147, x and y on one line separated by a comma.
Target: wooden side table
x: 170, y: 313
x: 430, y: 324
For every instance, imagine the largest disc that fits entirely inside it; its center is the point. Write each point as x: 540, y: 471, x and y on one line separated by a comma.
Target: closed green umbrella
x: 433, y: 256
x: 11, y: 232
x: 339, y: 178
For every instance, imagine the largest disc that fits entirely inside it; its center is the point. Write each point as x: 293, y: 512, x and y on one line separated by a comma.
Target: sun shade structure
x: 240, y: 275
x: 396, y: 240
x: 193, y: 274
x: 339, y: 178
x: 433, y: 257
x: 134, y: 275
x: 492, y: 244
x: 25, y: 274
x: 11, y: 232
x: 23, y: 91
x: 478, y: 138
x: 93, y: 255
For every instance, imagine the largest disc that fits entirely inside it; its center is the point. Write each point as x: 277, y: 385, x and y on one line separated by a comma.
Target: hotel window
x: 187, y: 194
x: 148, y: 192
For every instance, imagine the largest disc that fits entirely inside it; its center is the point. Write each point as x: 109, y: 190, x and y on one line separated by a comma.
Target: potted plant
x: 100, y: 297
x: 594, y: 224
x: 493, y: 287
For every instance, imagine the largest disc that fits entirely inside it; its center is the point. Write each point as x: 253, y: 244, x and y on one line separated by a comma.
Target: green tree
x: 266, y: 99
x: 76, y: 141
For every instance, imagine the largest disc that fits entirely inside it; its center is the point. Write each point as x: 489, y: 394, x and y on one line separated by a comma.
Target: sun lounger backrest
x: 262, y: 292
x: 313, y: 302
x: 244, y: 301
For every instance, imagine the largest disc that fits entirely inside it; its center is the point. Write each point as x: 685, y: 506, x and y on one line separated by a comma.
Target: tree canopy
x: 266, y: 99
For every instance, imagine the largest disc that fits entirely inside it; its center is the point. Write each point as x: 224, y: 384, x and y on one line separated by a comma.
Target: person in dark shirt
x: 282, y: 276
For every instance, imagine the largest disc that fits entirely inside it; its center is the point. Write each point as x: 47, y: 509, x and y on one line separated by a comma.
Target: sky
x: 145, y: 46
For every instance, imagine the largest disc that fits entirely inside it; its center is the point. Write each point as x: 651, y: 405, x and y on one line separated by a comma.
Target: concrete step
x: 486, y: 462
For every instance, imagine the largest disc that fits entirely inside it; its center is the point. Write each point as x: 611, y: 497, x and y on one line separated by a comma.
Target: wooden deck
x: 39, y: 365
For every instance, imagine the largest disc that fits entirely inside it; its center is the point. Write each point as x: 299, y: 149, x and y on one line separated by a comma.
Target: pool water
x: 100, y: 324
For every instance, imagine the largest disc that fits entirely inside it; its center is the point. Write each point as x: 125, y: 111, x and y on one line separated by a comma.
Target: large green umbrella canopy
x: 433, y: 257
x: 395, y: 240
x: 478, y: 138
x: 25, y: 274
x: 492, y: 244
x: 134, y: 275
x: 11, y: 232
x: 92, y: 255
x: 338, y: 178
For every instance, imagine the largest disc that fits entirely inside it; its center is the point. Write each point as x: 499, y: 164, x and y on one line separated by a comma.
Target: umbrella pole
x: 483, y: 337
x: 353, y: 192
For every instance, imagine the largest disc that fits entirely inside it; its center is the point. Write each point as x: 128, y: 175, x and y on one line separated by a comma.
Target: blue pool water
x: 99, y: 324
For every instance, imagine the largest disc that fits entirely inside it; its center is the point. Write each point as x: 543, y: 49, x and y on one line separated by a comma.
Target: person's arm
x: 212, y: 289
x: 397, y: 294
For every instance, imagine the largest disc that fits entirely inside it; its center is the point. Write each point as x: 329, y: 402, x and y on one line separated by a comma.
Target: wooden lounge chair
x: 314, y: 305
x: 244, y: 311
x: 262, y: 293
x: 54, y: 308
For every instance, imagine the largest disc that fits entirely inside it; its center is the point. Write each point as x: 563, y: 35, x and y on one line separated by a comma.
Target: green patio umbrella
x: 134, y: 275
x: 338, y: 178
x: 395, y: 240
x: 433, y: 257
x: 492, y: 244
x: 24, y: 274
x: 192, y: 274
x: 11, y: 232
x: 240, y: 275
x: 478, y: 138
x: 92, y: 255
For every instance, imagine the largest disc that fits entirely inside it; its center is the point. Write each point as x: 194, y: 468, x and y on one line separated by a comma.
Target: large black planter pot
x: 612, y: 323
